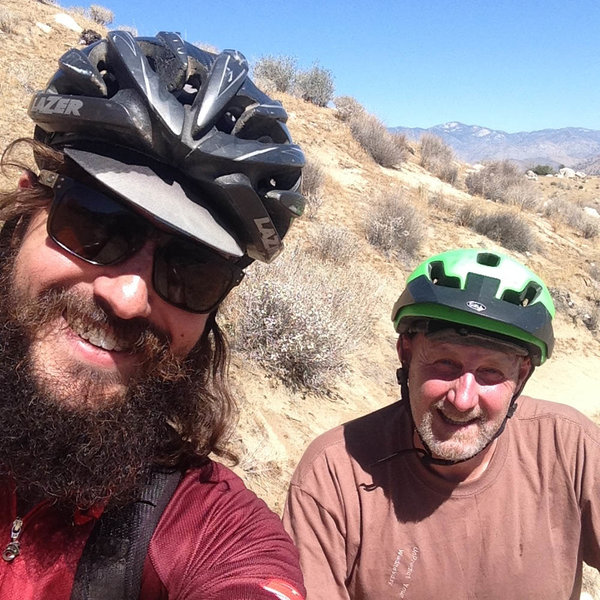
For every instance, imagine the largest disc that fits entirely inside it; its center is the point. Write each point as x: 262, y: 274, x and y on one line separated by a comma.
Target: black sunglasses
x: 102, y: 230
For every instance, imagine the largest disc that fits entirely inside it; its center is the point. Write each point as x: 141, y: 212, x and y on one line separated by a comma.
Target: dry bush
x: 438, y: 201
x: 503, y: 181
x: 207, y: 47
x: 335, y: 244
x: 508, y: 229
x: 300, y: 318
x: 315, y: 85
x: 564, y: 211
x: 132, y: 30
x: 101, y: 15
x: 438, y: 158
x: 8, y: 22
x: 395, y: 226
x: 466, y: 215
x: 280, y: 71
x: 384, y: 147
x: 313, y: 177
x: 347, y: 107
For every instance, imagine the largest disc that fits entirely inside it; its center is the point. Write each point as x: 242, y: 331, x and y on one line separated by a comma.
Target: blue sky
x: 504, y: 64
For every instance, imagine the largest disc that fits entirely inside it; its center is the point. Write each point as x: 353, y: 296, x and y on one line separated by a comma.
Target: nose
x: 126, y: 288
x: 463, y: 394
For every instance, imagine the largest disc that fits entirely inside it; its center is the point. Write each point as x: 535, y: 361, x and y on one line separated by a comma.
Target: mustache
x: 140, y: 337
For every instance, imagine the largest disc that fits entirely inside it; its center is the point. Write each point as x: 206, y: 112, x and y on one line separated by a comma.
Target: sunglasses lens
x: 191, y: 277
x: 93, y: 226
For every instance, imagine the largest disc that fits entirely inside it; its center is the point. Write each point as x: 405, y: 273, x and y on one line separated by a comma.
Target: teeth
x: 98, y: 336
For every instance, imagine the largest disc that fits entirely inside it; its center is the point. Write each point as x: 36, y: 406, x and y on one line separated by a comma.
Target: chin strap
x: 425, y: 452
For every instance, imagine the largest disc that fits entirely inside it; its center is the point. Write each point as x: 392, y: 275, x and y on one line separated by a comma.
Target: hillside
x: 277, y: 422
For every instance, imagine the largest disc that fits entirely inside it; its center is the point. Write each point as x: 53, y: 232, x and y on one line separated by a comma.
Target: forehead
x: 469, y: 348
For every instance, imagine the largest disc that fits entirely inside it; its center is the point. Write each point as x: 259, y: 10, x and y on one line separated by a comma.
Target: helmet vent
x: 438, y: 276
x: 524, y: 298
x: 488, y: 259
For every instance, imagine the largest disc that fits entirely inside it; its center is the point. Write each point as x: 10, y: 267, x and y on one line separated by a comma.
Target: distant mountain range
x: 570, y: 146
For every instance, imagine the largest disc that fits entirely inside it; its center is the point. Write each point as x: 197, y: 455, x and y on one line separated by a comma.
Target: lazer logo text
x: 50, y: 105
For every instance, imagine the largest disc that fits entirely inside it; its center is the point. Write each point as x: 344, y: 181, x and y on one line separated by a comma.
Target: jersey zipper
x: 13, y: 549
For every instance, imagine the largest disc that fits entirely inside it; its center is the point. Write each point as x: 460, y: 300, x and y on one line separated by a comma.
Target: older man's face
x: 459, y: 394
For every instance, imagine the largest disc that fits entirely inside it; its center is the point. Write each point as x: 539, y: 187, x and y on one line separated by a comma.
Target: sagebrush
x: 395, y: 226
x: 503, y: 181
x: 561, y: 209
x: 101, y: 15
x: 387, y: 149
x: 335, y: 244
x: 315, y: 85
x: 438, y: 158
x: 301, y: 318
x: 313, y: 177
x: 508, y: 229
x: 347, y: 107
x: 279, y: 70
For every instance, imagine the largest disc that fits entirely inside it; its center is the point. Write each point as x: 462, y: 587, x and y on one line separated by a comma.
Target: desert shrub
x: 567, y: 212
x: 438, y: 201
x: 206, y: 47
x: 101, y: 15
x: 347, y: 107
x: 374, y: 137
x: 313, y: 177
x: 335, y: 244
x: 315, y: 85
x: 395, y: 226
x: 465, y: 216
x: 543, y: 170
x: 502, y: 181
x: 280, y: 70
x: 300, y: 318
x: 8, y: 23
x: 508, y: 229
x: 438, y: 158
x: 132, y: 30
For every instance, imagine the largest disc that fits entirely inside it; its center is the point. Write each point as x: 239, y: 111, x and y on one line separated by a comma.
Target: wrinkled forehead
x: 471, y: 338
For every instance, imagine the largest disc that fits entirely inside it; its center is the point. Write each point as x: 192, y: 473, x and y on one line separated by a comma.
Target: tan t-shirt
x: 394, y: 529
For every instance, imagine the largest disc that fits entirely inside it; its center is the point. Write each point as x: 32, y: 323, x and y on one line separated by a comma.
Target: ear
x: 26, y: 180
x: 404, y: 348
x: 525, y: 370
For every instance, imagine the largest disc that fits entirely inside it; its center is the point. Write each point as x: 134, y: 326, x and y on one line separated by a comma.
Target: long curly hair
x: 200, y: 429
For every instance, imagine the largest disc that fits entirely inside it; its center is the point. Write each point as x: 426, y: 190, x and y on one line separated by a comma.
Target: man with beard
x: 162, y: 172
x: 464, y: 488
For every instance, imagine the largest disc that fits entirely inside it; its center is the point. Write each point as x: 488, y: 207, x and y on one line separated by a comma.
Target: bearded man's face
x: 93, y: 363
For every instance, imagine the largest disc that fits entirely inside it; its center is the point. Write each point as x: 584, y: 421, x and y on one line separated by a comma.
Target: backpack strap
x: 112, y: 562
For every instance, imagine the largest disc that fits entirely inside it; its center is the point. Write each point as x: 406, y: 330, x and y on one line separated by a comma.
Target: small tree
x: 315, y: 85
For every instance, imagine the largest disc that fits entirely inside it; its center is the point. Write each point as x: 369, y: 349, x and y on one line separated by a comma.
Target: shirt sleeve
x: 321, y: 544
x: 218, y: 541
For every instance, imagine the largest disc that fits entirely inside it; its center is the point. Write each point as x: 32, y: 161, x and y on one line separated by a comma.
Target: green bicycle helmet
x: 487, y: 292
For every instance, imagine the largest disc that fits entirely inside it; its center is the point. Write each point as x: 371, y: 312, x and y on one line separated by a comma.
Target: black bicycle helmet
x: 483, y: 291
x: 164, y: 101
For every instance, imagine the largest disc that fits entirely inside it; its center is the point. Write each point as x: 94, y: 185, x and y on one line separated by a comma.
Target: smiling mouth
x: 100, y: 336
x: 455, y: 422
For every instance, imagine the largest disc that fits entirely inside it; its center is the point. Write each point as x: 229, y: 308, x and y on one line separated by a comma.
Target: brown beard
x: 97, y: 448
